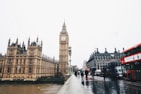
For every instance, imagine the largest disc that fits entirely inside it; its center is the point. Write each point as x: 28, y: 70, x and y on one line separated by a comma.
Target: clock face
x: 63, y: 38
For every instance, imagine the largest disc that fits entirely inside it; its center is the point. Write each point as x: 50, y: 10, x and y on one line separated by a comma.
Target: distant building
x: 24, y: 64
x: 75, y: 68
x: 84, y: 66
x: 99, y: 60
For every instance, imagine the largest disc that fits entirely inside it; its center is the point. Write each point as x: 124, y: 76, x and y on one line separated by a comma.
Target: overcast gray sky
x: 90, y: 23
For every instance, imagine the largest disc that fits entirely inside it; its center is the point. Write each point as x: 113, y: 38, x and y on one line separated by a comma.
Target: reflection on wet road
x: 97, y: 85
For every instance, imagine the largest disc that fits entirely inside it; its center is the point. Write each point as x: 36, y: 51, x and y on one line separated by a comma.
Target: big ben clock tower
x: 63, y: 50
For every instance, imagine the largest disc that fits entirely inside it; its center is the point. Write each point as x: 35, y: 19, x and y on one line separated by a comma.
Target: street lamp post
x: 70, y: 52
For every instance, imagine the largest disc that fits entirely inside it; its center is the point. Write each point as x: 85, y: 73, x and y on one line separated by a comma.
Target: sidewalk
x: 73, y: 86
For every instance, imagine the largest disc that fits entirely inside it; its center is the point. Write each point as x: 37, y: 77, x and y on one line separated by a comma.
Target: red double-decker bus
x: 131, y: 60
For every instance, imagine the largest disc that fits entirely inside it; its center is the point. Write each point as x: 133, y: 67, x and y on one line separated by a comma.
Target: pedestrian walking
x: 86, y: 73
x: 75, y: 73
x: 104, y: 72
x: 82, y: 74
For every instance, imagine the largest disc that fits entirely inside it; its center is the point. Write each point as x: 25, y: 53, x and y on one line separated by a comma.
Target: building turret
x: 37, y: 40
x: 28, y: 41
x: 17, y: 41
x: 106, y: 50
x: 97, y: 50
x: 41, y: 43
x: 115, y: 50
x: 23, y: 45
x: 9, y: 42
x: 123, y: 49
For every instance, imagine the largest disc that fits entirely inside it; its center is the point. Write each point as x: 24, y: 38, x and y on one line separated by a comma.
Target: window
x: 20, y: 61
x: 8, y: 70
x: 30, y: 69
x: 16, y: 70
x: 17, y: 61
x: 24, y: 70
x: 30, y: 61
x: 137, y: 66
x: 24, y: 62
x: 19, y: 70
x: 10, y: 61
x: 0, y: 70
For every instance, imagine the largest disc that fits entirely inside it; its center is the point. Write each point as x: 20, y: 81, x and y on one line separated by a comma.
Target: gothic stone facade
x: 28, y: 64
x: 1, y: 64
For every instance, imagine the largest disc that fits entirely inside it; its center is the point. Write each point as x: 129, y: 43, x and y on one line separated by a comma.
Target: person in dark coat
x: 104, y: 72
x: 86, y: 73
x: 82, y: 74
x: 75, y: 73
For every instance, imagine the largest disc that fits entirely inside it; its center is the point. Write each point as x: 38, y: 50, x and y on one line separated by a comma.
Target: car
x: 98, y: 72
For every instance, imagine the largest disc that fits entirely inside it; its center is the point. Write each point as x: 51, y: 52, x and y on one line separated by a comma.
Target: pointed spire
x: 115, y: 50
x: 123, y: 49
x: 41, y: 43
x: 97, y: 50
x: 37, y: 40
x: 64, y: 24
x: 106, y: 50
x: 29, y: 41
x: 23, y: 45
x: 64, y: 27
x: 9, y: 41
x: 17, y: 41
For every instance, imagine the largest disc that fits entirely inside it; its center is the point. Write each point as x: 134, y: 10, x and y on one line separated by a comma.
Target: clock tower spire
x: 64, y: 28
x: 63, y: 51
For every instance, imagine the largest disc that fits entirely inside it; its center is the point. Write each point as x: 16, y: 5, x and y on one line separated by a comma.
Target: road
x: 97, y: 85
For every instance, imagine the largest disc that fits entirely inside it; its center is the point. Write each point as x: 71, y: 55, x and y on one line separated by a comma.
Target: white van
x: 98, y: 72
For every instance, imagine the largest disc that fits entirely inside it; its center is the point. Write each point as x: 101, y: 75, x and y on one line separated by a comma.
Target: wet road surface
x: 97, y: 85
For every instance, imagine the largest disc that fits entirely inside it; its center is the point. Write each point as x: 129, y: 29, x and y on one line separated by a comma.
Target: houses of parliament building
x: 29, y: 64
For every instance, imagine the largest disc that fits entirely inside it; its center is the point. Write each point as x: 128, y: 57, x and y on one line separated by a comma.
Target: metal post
x: 70, y: 52
x: 54, y: 66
